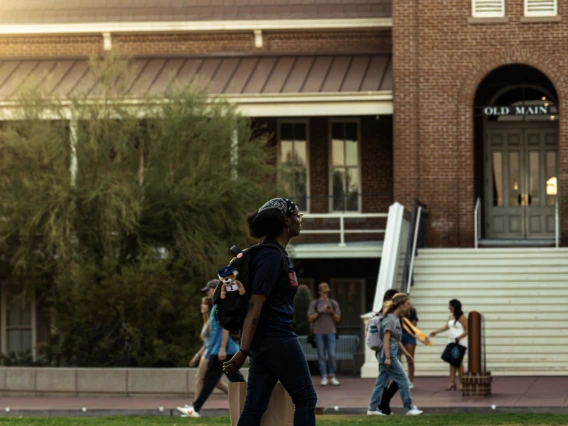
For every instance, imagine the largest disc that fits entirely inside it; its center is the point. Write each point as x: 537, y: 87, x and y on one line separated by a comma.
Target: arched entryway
x: 516, y: 145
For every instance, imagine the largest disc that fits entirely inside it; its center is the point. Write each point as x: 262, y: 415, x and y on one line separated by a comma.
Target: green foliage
x: 22, y: 359
x: 121, y: 210
x: 301, y: 305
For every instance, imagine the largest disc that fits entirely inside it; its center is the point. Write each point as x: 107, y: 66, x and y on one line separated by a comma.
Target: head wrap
x: 283, y: 205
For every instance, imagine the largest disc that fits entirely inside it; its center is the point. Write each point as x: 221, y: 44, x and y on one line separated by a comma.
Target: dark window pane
x: 337, y: 131
x: 351, y: 132
x: 338, y: 190
x: 286, y: 131
x: 300, y: 132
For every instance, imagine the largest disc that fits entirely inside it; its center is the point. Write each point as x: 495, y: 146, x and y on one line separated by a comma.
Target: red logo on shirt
x: 293, y: 279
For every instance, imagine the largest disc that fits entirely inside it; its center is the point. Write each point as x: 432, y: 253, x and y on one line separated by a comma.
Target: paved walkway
x: 509, y: 394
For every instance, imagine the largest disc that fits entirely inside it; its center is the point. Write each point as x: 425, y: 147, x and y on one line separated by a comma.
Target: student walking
x: 457, y: 324
x: 409, y: 343
x: 201, y: 357
x: 392, y: 388
x: 268, y: 336
x: 221, y: 347
x: 389, y: 365
x: 324, y: 313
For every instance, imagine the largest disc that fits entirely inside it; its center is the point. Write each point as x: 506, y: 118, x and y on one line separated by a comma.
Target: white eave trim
x: 320, y: 105
x: 370, y: 250
x: 190, y: 26
x: 283, y: 105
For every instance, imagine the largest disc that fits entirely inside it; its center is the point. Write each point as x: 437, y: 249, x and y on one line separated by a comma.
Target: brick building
x: 475, y: 87
x: 316, y: 74
x: 453, y: 62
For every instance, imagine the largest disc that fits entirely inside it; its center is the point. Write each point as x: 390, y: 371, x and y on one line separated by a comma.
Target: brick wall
x: 196, y: 43
x: 439, y: 61
x: 51, y: 46
x: 317, y: 41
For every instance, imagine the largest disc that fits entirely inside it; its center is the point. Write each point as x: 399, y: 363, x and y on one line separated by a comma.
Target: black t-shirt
x: 279, y: 287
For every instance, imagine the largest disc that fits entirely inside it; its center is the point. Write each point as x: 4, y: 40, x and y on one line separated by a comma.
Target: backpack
x: 232, y: 310
x: 374, y: 337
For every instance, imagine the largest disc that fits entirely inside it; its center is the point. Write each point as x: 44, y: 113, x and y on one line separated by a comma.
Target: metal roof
x: 222, y: 75
x: 75, y: 11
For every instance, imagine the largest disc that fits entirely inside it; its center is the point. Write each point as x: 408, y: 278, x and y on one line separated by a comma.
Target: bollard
x: 474, y: 342
x: 477, y: 381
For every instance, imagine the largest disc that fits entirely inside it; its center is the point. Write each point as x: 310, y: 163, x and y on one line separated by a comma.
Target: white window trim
x: 330, y: 162
x: 4, y: 321
x: 539, y: 13
x: 307, y: 123
x: 476, y: 14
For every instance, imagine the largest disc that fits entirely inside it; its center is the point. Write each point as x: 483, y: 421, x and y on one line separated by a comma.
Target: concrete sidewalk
x: 509, y: 395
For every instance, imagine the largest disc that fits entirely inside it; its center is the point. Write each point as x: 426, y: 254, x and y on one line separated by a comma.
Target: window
x: 488, y: 8
x: 18, y: 317
x: 293, y: 161
x: 345, y: 171
x: 541, y: 7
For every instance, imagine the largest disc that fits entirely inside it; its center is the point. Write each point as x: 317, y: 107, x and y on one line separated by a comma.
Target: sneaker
x: 414, y: 411
x: 334, y: 381
x: 375, y: 413
x: 188, y: 411
x: 411, y: 386
x: 324, y: 381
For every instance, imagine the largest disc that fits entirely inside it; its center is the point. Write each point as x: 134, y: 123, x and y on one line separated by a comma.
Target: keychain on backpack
x: 228, y: 276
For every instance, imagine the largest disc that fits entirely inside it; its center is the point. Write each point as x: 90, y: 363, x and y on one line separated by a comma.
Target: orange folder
x: 415, y: 331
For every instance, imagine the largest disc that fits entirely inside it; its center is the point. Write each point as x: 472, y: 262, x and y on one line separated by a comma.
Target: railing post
x: 476, y: 222
x: 414, y: 243
x: 557, y: 222
x: 342, y: 230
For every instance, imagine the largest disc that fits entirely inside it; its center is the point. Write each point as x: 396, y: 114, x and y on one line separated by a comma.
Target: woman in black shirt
x: 268, y: 337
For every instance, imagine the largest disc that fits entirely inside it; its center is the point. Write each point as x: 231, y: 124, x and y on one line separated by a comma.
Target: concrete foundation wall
x: 151, y: 382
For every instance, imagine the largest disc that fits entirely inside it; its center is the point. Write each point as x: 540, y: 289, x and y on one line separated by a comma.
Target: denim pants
x: 326, y: 344
x: 272, y: 359
x: 394, y: 372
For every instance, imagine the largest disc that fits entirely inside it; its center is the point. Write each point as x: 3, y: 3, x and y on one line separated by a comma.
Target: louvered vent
x: 488, y: 8
x: 541, y: 7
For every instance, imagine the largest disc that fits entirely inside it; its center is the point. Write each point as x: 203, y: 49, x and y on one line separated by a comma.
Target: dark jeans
x: 212, y: 375
x: 273, y: 359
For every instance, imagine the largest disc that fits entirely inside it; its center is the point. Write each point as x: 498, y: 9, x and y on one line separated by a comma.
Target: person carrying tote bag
x: 454, y: 352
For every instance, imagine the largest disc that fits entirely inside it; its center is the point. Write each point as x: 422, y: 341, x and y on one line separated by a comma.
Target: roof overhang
x: 260, y: 85
x: 197, y: 26
x: 315, y: 105
x: 359, y: 250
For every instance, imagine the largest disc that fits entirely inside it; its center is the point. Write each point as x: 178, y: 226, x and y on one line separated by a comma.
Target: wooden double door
x: 521, y: 179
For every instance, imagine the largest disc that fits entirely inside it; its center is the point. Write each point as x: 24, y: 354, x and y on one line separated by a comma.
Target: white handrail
x: 413, y: 255
x: 342, y: 231
x: 476, y: 218
x: 557, y: 222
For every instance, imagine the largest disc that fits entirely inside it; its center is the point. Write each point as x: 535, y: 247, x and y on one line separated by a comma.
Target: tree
x: 117, y: 212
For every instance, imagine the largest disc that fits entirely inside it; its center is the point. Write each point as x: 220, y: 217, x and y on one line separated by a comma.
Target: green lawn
x: 434, y: 420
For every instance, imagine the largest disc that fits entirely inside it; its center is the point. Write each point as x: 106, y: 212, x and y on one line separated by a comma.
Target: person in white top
x: 457, y: 324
